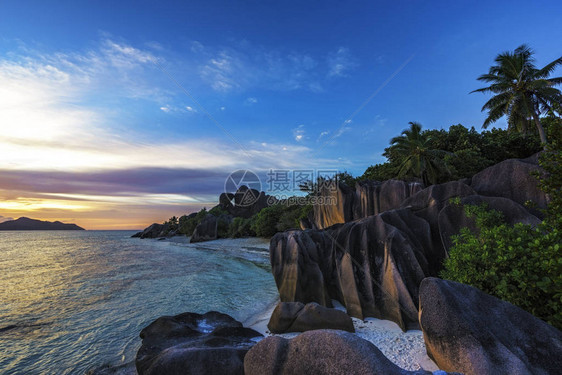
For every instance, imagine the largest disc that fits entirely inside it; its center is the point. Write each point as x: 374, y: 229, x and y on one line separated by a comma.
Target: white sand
x: 405, y: 349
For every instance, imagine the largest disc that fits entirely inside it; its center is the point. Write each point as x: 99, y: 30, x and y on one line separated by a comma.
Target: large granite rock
x: 375, y: 197
x: 189, y: 343
x: 298, y: 317
x: 427, y: 204
x: 153, y: 231
x: 245, y: 202
x: 343, y: 204
x: 206, y: 230
x: 373, y: 266
x: 512, y: 179
x: 320, y: 352
x: 472, y: 332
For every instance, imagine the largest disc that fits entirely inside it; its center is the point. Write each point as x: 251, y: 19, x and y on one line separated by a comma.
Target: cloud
x: 339, y: 62
x: 299, y: 133
x: 244, y: 66
x: 250, y: 101
x: 62, y: 156
x: 191, y: 109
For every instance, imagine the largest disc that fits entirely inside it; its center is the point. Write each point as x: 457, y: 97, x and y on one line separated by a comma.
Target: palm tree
x: 418, y: 159
x: 522, y: 92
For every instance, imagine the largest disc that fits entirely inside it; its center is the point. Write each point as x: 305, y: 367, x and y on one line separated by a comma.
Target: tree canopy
x: 522, y: 92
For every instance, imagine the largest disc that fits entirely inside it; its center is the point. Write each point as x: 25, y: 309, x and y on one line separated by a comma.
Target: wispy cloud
x: 299, y: 133
x: 61, y: 153
x: 340, y: 62
x: 250, y: 101
x: 245, y: 66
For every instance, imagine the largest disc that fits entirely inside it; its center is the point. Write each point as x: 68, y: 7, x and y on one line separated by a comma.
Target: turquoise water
x: 73, y: 300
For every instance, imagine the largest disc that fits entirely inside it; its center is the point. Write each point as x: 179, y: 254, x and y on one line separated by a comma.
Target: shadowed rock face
x: 320, y: 352
x: 153, y: 231
x: 512, y: 179
x: 368, y: 198
x: 245, y: 202
x: 373, y: 266
x: 190, y: 343
x: 298, y: 317
x: 472, y: 332
x: 208, y: 229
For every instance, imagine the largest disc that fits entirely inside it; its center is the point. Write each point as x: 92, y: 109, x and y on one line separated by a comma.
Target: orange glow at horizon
x: 95, y: 215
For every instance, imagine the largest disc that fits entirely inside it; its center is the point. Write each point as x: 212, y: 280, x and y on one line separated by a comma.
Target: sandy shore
x: 405, y: 349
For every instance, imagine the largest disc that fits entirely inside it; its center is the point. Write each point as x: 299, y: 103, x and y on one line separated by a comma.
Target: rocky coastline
x: 375, y: 256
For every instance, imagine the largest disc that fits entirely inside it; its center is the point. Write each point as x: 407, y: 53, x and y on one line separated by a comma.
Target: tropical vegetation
x: 463, y: 151
x: 521, y: 264
x: 522, y: 92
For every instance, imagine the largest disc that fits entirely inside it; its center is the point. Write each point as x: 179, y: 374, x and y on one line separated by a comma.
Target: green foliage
x: 380, y: 172
x: 551, y: 181
x: 279, y: 217
x: 218, y: 211
x: 346, y: 178
x: 418, y: 160
x: 223, y: 228
x: 241, y: 227
x: 466, y: 152
x: 266, y: 221
x: 519, y: 264
x: 187, y: 224
x: 304, y: 212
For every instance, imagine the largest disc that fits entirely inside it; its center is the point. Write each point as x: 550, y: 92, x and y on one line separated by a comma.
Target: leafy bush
x: 278, y: 218
x: 519, y: 264
x: 241, y: 227
x: 187, y: 224
x: 266, y: 221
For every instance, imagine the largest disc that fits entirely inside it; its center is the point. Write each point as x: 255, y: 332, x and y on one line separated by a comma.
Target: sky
x: 117, y: 114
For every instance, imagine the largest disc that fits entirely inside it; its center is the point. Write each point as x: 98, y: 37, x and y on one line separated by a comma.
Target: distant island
x: 25, y: 223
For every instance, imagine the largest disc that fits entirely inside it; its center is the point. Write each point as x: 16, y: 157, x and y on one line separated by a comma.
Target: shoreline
x: 405, y: 349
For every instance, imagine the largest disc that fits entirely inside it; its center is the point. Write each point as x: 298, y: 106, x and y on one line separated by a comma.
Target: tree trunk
x: 542, y: 134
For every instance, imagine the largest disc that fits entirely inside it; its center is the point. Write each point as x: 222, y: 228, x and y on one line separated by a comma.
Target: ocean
x: 74, y: 300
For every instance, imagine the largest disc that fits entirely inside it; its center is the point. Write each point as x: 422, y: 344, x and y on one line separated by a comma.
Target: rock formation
x: 153, y: 231
x: 512, y: 179
x: 245, y: 202
x: 189, y: 343
x: 344, y: 204
x: 320, y: 352
x: 298, y: 317
x: 373, y: 265
x: 472, y: 332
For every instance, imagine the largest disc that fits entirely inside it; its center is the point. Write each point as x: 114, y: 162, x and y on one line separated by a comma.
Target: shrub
x: 241, y: 227
x: 279, y: 218
x: 519, y: 264
x: 266, y: 221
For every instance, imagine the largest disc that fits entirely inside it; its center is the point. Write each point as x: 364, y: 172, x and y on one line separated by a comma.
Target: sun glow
x: 35, y: 204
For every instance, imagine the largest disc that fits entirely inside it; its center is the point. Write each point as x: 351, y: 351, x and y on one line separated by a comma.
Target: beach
x: 405, y: 349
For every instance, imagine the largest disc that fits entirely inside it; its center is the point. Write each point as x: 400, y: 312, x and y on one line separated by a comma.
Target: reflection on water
x: 73, y: 300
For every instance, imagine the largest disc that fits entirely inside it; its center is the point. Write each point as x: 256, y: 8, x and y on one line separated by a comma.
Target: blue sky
x: 116, y: 114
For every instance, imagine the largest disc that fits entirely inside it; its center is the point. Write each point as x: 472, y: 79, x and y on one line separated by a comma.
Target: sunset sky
x: 117, y: 114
